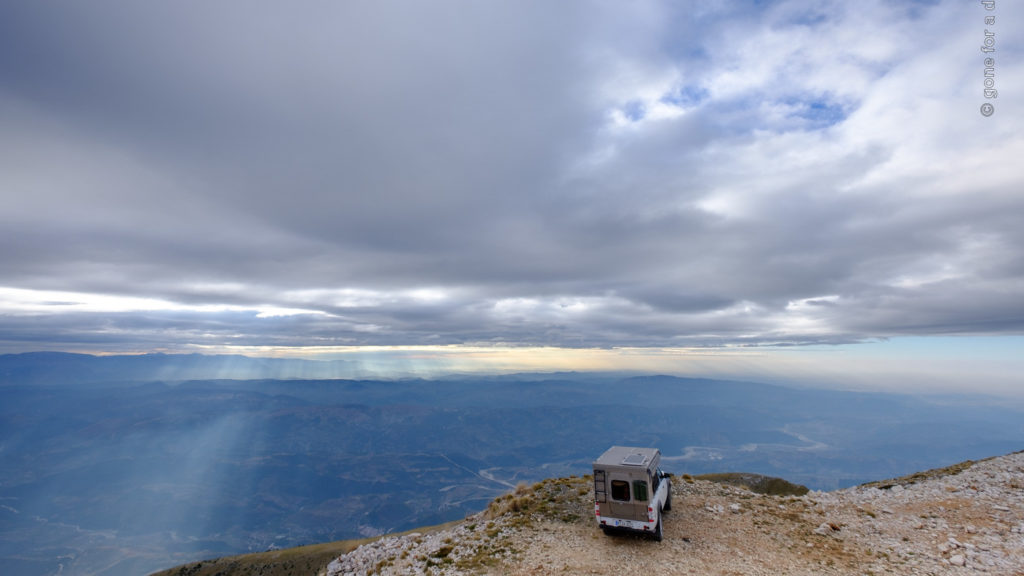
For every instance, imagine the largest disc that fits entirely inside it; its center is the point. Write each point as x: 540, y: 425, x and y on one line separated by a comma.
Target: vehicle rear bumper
x: 624, y: 524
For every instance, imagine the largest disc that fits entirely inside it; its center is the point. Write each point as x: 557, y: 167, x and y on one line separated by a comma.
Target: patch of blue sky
x: 916, y: 9
x: 818, y: 113
x: 634, y: 110
x: 686, y: 96
x: 757, y: 5
x: 761, y: 112
x: 809, y: 19
x: 991, y: 348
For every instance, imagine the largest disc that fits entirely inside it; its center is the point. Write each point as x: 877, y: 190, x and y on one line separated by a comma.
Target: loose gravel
x: 961, y: 520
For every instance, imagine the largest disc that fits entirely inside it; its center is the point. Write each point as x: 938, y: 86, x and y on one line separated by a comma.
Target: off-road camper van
x: 630, y: 490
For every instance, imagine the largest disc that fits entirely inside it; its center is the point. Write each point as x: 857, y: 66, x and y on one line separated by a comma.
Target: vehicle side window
x: 620, y: 490
x: 640, y: 489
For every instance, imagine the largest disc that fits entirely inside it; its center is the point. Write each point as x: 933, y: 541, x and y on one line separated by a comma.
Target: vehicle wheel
x: 668, y: 500
x: 657, y: 530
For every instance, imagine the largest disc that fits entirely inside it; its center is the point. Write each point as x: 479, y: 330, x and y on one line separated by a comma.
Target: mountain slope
x: 963, y: 518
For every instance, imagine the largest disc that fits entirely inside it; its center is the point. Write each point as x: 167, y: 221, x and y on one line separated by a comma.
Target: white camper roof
x: 627, y: 456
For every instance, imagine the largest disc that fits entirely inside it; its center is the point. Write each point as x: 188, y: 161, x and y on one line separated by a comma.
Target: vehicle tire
x: 657, y: 529
x: 668, y: 500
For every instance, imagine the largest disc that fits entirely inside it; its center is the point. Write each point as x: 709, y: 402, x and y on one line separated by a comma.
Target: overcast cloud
x: 576, y: 174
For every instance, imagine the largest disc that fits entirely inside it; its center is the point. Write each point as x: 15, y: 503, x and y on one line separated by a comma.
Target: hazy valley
x: 101, y: 475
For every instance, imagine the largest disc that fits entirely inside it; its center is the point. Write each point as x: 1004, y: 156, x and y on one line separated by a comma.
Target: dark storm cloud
x: 576, y: 174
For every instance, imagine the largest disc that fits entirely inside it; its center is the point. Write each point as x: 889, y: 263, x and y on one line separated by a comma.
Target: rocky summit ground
x: 959, y: 520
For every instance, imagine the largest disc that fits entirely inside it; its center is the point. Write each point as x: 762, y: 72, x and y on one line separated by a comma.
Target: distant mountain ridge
x: 49, y: 368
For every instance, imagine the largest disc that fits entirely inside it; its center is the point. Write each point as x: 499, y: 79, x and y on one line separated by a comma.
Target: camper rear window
x: 620, y: 490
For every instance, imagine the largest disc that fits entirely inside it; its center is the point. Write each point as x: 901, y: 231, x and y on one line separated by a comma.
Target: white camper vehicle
x: 630, y: 490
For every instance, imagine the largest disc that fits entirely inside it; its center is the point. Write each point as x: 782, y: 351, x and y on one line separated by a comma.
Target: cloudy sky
x: 586, y: 182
